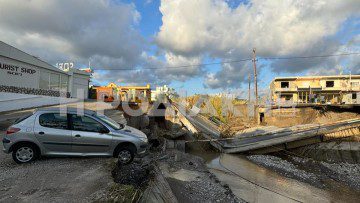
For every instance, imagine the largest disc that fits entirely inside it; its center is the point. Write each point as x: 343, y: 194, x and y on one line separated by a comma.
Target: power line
x: 182, y: 66
x: 306, y: 57
x: 231, y: 61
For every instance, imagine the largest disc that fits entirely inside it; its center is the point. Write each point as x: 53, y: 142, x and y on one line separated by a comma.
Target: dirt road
x: 50, y: 179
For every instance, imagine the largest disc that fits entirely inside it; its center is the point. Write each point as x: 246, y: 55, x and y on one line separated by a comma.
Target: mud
x: 136, y: 174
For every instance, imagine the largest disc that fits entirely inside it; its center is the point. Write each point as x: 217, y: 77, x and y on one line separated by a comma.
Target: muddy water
x: 254, y: 183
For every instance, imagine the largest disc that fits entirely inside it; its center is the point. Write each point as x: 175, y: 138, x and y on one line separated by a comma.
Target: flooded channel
x: 254, y: 183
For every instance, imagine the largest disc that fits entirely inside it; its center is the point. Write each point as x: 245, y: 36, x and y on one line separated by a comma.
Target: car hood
x: 133, y: 132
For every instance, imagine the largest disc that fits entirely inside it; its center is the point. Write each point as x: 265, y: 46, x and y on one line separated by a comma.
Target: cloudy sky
x: 163, y: 42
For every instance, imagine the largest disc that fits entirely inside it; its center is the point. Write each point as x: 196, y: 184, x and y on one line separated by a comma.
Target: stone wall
x: 33, y: 91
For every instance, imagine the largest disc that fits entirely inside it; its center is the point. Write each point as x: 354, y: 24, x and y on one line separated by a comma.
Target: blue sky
x: 151, y: 22
x: 118, y: 34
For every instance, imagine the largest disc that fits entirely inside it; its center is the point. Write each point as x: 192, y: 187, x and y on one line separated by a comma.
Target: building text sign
x: 65, y: 66
x: 16, y: 70
x: 18, y: 74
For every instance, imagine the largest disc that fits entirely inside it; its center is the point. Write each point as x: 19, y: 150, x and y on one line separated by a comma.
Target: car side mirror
x: 104, y: 131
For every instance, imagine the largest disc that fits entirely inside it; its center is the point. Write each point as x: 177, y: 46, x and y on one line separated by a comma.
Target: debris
x: 136, y: 174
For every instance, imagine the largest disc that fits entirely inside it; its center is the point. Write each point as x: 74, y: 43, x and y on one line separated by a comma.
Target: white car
x: 49, y: 132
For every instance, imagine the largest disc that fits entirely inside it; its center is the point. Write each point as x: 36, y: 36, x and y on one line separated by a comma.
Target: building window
x: 284, y: 84
x: 355, y: 84
x: 354, y: 95
x: 44, y: 80
x: 329, y: 83
x: 54, y: 81
x: 64, y: 83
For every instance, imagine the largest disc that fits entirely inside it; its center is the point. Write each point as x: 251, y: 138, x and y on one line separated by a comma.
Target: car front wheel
x: 125, y: 155
x: 24, y: 154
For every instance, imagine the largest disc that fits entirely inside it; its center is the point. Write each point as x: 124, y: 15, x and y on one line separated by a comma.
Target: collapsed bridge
x: 265, y: 139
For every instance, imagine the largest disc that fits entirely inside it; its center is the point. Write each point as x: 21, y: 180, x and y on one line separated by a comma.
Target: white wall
x: 80, y: 83
x: 18, y: 76
x: 13, y: 101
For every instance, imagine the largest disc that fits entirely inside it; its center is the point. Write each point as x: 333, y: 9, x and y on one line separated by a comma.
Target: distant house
x: 162, y: 91
x: 337, y: 89
x: 113, y: 92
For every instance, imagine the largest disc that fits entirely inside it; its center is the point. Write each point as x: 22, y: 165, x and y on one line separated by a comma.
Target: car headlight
x: 144, y: 139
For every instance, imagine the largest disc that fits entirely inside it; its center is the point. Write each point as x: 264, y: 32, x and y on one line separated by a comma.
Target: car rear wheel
x: 125, y: 155
x: 24, y: 153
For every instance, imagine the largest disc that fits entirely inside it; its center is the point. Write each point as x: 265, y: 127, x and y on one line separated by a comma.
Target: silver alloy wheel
x: 124, y: 156
x: 24, y: 154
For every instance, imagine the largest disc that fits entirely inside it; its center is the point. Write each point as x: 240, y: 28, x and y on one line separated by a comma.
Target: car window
x: 53, y: 120
x: 22, y: 118
x: 85, y: 123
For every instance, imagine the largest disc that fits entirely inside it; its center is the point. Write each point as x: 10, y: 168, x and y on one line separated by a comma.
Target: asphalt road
x: 51, y: 179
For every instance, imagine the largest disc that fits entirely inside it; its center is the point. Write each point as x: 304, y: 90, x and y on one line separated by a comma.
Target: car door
x: 52, y: 131
x: 89, y: 135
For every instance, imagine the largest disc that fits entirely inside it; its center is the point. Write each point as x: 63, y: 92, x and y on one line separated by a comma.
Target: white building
x: 160, y: 92
x: 23, y: 73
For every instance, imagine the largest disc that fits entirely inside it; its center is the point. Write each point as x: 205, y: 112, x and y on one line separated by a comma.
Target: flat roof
x: 14, y: 53
x: 11, y: 52
x: 316, y: 77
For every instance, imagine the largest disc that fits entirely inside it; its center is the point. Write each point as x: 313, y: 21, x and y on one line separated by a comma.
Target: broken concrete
x: 333, y: 152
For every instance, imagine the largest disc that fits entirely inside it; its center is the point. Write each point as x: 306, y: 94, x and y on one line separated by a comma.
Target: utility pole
x: 255, y: 77
x: 249, y: 87
x: 256, y: 107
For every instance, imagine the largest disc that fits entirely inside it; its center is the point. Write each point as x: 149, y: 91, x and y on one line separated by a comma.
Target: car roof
x: 69, y: 110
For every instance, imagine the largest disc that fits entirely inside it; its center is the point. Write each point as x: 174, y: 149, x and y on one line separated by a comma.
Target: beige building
x: 337, y: 89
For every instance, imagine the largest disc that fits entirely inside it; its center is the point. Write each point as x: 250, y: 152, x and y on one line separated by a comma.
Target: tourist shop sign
x: 16, y: 70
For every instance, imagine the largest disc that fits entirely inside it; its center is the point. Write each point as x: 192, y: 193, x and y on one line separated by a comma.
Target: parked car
x: 49, y: 132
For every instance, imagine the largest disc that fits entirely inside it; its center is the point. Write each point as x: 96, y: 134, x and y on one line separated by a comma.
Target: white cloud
x: 73, y: 30
x: 273, y: 27
x: 340, y: 64
x: 276, y: 28
x: 106, y: 32
x: 231, y: 75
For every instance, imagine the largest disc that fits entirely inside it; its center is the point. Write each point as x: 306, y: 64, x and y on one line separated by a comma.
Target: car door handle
x: 41, y: 133
x: 77, y: 135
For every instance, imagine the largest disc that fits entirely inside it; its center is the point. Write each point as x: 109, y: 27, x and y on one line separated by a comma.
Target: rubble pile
x: 136, y: 173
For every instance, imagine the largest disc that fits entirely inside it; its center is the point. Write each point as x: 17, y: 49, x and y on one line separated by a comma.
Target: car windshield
x: 109, y: 121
